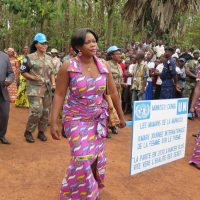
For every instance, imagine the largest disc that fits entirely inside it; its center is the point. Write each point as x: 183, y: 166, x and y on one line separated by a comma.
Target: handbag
x: 113, y: 118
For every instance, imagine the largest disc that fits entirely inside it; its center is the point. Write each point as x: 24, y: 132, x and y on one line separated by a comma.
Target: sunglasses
x: 43, y: 43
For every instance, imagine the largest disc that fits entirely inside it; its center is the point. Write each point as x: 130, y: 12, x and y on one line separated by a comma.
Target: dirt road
x: 35, y: 171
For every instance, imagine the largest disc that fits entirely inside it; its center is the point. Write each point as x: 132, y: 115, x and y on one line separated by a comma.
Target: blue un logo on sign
x: 142, y: 110
x: 182, y: 106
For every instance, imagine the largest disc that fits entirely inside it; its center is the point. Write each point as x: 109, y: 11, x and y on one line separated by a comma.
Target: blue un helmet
x: 40, y: 37
x: 112, y: 49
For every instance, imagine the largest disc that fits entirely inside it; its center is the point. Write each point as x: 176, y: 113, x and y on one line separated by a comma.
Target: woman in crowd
x: 84, y: 116
x: 151, y: 66
x: 37, y: 68
x: 195, y: 107
x: 114, y: 57
x: 12, y: 89
x: 22, y: 100
x: 127, y: 91
x: 158, y: 81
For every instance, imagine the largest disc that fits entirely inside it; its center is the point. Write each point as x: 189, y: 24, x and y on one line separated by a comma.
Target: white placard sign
x: 159, y: 133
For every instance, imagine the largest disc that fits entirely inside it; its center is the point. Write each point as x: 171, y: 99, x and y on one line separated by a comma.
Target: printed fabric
x: 140, y: 71
x: 84, y: 118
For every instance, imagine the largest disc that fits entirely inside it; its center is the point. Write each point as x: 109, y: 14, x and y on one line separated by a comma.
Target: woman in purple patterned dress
x: 84, y: 116
x: 195, y: 107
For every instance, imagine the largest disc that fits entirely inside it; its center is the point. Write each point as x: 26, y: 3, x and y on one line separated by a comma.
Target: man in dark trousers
x: 6, y: 78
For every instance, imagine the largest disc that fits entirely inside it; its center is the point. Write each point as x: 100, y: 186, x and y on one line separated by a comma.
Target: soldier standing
x: 190, y: 69
x: 115, y: 57
x: 37, y: 68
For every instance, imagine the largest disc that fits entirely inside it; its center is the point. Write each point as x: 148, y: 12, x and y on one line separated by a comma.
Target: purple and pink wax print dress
x: 84, y: 118
x: 196, y: 153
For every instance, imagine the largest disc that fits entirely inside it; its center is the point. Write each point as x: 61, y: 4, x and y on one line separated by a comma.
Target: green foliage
x: 20, y: 20
x: 192, y: 35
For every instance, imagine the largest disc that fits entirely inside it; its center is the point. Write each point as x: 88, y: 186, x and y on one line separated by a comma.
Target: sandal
x: 195, y: 165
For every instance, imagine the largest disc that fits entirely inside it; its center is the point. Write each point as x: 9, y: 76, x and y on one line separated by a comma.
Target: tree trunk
x: 75, y: 14
x: 41, y: 24
x: 110, y: 26
x: 66, y: 24
x: 89, y: 12
x: 101, y: 20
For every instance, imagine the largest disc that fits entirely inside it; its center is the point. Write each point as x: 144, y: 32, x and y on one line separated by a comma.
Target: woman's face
x: 116, y: 56
x: 89, y: 47
x: 41, y: 47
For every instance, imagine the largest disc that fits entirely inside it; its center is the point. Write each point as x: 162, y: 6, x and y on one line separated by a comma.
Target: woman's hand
x: 122, y: 124
x: 55, y: 131
x: 178, y: 88
x: 6, y: 83
x: 192, y: 110
x: 36, y: 78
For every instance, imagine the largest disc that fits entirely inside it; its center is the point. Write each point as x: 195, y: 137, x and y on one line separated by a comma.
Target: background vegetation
x: 116, y: 21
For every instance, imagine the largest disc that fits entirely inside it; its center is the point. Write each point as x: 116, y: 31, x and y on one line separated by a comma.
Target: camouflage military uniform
x: 190, y: 81
x: 57, y: 64
x: 117, y: 73
x: 39, y: 92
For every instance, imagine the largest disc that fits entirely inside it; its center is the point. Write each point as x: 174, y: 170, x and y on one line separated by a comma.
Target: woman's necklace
x: 89, y: 69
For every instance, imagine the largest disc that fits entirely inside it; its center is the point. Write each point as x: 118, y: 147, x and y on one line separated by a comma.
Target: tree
x: 115, y: 21
x: 164, y: 16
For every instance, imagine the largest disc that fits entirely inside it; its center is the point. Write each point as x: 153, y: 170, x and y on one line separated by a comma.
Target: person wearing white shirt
x: 158, y: 71
x: 149, y: 88
x: 160, y: 49
x: 127, y: 93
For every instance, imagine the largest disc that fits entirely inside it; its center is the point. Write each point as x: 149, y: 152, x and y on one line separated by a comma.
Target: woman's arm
x: 189, y: 73
x: 62, y: 83
x: 53, y: 81
x: 195, y: 97
x: 31, y: 77
x: 25, y: 69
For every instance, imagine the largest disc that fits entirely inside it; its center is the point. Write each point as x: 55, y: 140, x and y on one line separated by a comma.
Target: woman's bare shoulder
x: 65, y: 66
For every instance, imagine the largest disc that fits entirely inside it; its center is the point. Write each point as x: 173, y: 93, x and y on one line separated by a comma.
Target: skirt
x: 81, y: 180
x: 22, y: 100
x: 149, y: 91
x: 196, y: 152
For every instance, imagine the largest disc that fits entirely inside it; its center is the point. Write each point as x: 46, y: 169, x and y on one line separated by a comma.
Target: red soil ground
x: 35, y: 171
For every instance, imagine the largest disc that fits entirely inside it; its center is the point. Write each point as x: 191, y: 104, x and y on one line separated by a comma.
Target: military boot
x: 42, y: 136
x: 28, y: 136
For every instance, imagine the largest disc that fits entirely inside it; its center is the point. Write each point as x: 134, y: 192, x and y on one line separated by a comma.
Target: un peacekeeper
x: 190, y: 69
x: 37, y: 68
x: 168, y: 76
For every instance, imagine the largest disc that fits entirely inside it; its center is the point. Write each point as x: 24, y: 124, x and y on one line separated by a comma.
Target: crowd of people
x: 75, y: 83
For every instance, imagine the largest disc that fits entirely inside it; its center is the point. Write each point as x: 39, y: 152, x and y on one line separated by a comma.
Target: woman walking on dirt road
x: 84, y: 116
x: 195, y: 107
